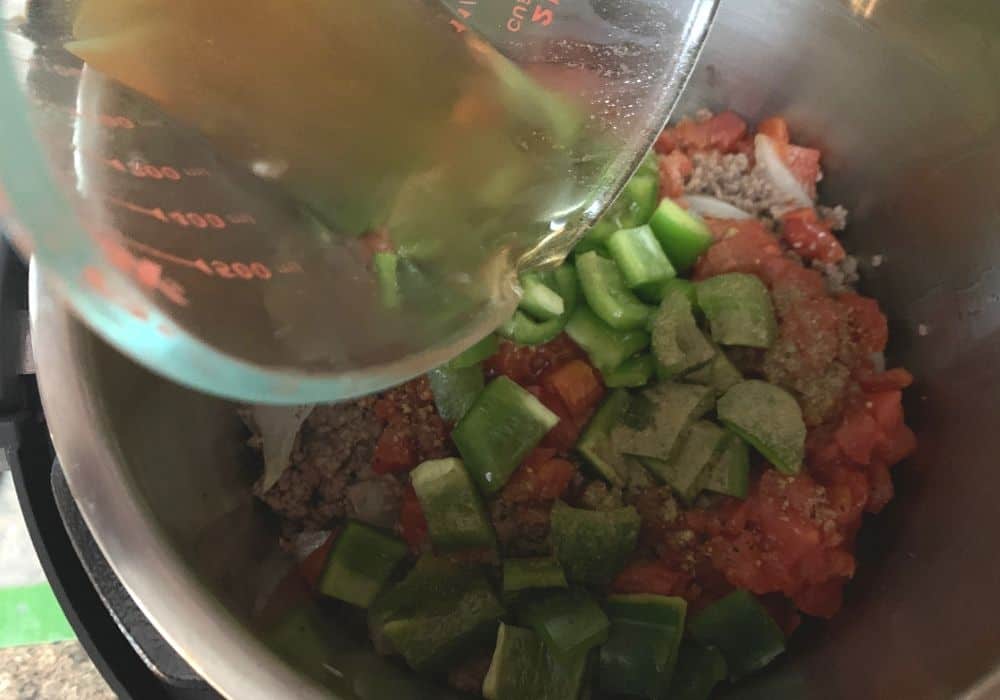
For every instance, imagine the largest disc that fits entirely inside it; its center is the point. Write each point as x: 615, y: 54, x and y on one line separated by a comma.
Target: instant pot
x: 903, y: 97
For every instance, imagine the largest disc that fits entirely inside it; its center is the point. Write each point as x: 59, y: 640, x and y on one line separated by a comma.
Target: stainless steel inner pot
x: 904, y: 98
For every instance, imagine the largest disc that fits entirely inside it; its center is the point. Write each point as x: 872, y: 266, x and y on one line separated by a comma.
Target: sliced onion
x: 277, y: 427
x: 786, y: 185
x: 715, y: 208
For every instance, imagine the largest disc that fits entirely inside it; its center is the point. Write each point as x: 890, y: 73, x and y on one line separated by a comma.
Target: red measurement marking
x: 463, y: 13
x: 154, y: 213
x: 215, y: 268
x: 459, y: 27
x: 143, y: 170
x: 144, y: 271
x: 540, y: 14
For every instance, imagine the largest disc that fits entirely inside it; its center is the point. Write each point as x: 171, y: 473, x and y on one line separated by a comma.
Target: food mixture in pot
x: 648, y: 476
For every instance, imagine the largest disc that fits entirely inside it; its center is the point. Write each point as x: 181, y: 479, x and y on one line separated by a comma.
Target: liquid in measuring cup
x: 391, y: 126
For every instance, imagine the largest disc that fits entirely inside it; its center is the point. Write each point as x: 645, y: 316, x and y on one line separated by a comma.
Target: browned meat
x: 522, y: 528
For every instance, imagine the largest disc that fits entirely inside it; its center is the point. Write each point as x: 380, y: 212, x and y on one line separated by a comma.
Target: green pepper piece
x: 740, y: 627
x: 739, y: 310
x: 683, y: 235
x: 770, y: 419
x: 524, y: 574
x: 569, y: 622
x: 720, y: 374
x: 301, y: 638
x: 639, y: 657
x: 607, y: 294
x: 640, y: 258
x: 606, y: 347
x: 633, y: 207
x: 632, y: 373
x: 437, y: 634
x: 678, y: 343
x: 595, y: 443
x: 592, y: 545
x: 455, y: 389
x: 539, y: 300
x: 456, y: 518
x: 524, y: 330
x: 504, y: 424
x: 386, y: 266
x: 696, y: 452
x: 699, y: 669
x: 656, y: 293
x: 729, y: 472
x: 483, y: 350
x: 360, y: 563
x: 523, y: 668
x: 668, y: 410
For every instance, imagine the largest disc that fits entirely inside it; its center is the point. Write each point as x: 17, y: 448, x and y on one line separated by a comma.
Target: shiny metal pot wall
x: 903, y: 97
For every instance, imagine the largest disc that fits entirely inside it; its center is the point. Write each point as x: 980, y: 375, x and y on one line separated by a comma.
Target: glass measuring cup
x: 241, y: 262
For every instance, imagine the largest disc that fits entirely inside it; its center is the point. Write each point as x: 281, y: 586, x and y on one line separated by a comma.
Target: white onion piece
x: 277, y: 427
x: 784, y: 181
x: 715, y: 208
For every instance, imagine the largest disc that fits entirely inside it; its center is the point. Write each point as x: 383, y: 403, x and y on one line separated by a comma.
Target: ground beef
x: 836, y: 216
x: 839, y: 277
x: 522, y: 529
x: 334, y: 446
x: 597, y: 495
x: 730, y: 177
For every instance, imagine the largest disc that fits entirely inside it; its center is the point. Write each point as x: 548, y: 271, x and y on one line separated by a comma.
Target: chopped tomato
x: 723, y: 132
x: 858, y: 435
x: 811, y: 238
x: 675, y: 169
x: 897, y: 378
x: 546, y: 481
x: 311, y: 568
x: 723, y: 228
x: 898, y: 445
x: 887, y: 409
x: 526, y: 364
x: 822, y: 599
x: 579, y: 387
x: 412, y: 524
x: 652, y: 578
x: 776, y: 128
x: 786, y: 277
x: 741, y: 252
x: 881, y: 490
x: 396, y: 449
x: 868, y: 325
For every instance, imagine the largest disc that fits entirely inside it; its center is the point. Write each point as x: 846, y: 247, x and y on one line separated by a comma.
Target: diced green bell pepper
x: 539, y: 300
x: 595, y: 443
x: 720, y: 374
x: 360, y: 563
x: 699, y: 669
x: 678, y: 343
x: 683, y: 235
x: 483, y: 350
x: 569, y: 622
x: 640, y: 258
x: 631, y: 374
x: 504, y: 424
x: 525, y: 574
x: 740, y: 627
x: 435, y: 613
x: 739, y: 310
x: 456, y: 518
x: 633, y: 208
x: 301, y: 638
x: 729, y: 472
x: 455, y: 389
x: 656, y: 293
x: 671, y: 409
x: 524, y: 330
x: 606, y: 347
x: 522, y: 668
x: 386, y: 265
x: 639, y: 657
x: 684, y: 470
x: 770, y: 419
x: 607, y: 294
x: 592, y: 545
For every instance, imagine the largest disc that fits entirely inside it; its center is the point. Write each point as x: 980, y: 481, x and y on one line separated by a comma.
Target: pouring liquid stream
x: 390, y: 131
